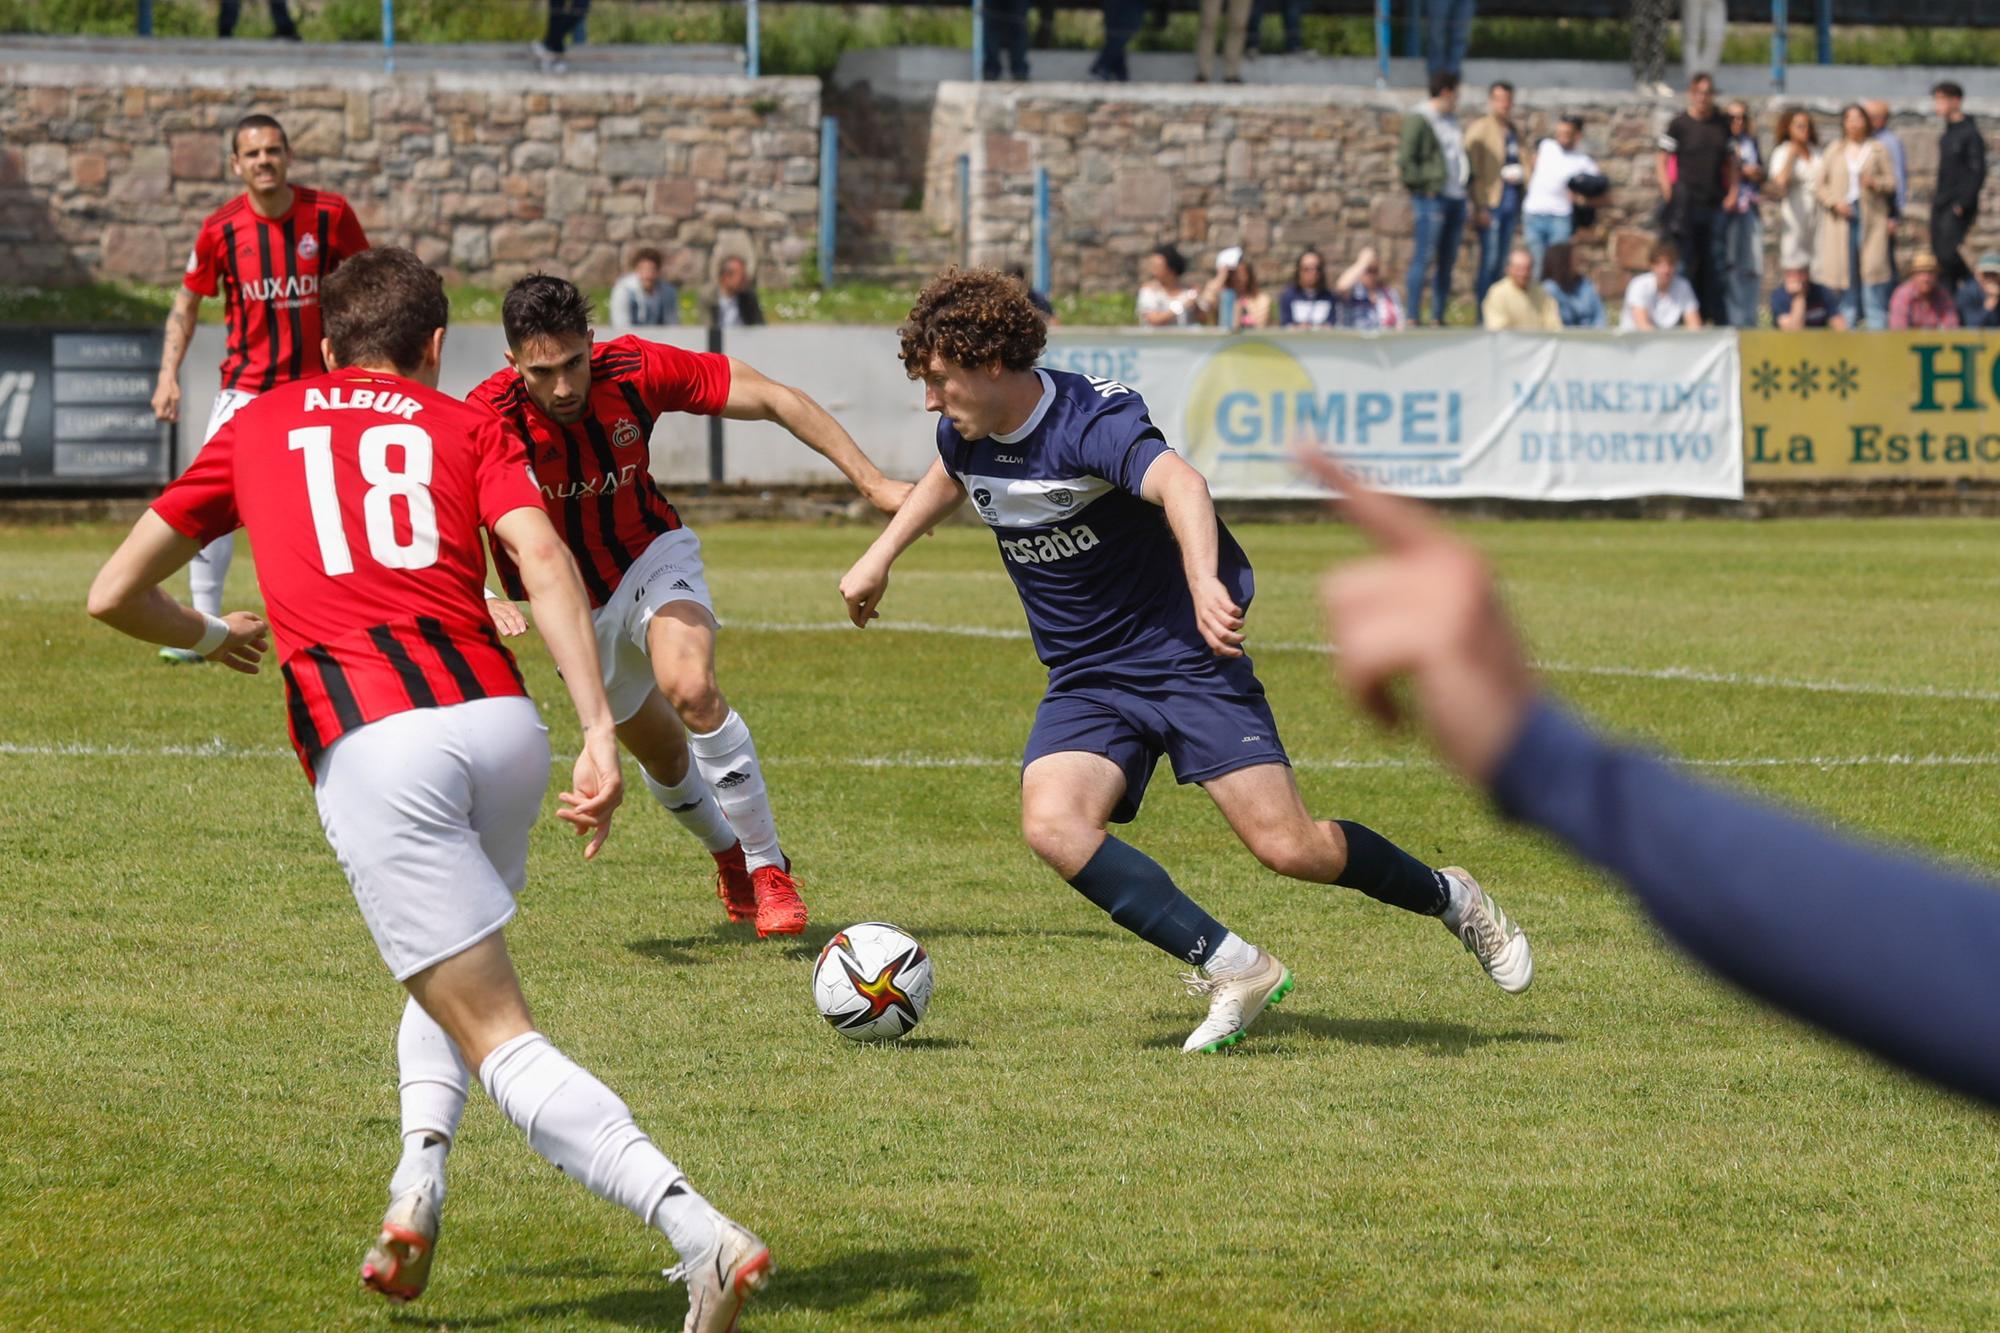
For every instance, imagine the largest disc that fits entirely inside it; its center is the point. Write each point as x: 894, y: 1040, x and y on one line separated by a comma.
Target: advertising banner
x: 76, y: 409
x: 1519, y: 416
x: 1871, y: 406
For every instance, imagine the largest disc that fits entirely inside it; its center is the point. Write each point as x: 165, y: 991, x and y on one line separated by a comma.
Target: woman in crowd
x: 1575, y: 295
x: 1308, y: 303
x: 1795, y: 170
x: 1252, y: 307
x: 1851, y: 251
x: 1361, y: 299
x: 1165, y: 297
x: 1549, y: 210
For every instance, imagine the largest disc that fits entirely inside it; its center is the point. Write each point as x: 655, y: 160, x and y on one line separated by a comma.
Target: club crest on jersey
x: 625, y: 433
x: 1061, y: 498
x: 308, y: 247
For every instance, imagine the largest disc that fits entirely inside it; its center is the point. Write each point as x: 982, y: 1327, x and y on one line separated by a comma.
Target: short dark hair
x: 1663, y: 250
x: 1499, y: 85
x: 1171, y: 256
x: 1698, y: 78
x: 1443, y: 81
x: 382, y: 305
x: 1571, y: 119
x: 257, y: 120
x: 646, y: 254
x: 542, y: 305
x: 1948, y: 87
x: 973, y: 317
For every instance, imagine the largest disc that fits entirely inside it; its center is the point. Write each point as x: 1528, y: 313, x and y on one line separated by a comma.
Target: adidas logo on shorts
x: 735, y: 777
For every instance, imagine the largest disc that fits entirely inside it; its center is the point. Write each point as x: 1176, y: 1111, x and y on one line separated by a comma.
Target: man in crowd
x: 1518, y: 301
x: 1923, y: 302
x: 1892, y: 144
x: 1660, y: 298
x: 1979, y: 298
x: 1696, y: 169
x: 1742, y: 226
x: 1493, y: 156
x: 734, y: 303
x: 1006, y: 30
x: 1449, y: 35
x: 640, y: 298
x: 1549, y: 208
x: 1431, y: 161
x: 1961, y: 174
x: 1800, y: 303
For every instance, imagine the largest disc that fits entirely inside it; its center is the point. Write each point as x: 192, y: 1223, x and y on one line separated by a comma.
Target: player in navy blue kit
x: 1135, y: 595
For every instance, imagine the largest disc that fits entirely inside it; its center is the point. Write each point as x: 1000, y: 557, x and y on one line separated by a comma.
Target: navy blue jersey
x: 1097, y: 567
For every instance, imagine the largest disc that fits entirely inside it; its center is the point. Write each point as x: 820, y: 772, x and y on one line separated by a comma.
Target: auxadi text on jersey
x: 292, y: 287
x: 1053, y: 545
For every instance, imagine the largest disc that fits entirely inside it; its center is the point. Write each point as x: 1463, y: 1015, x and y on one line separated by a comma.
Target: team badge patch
x: 1061, y: 498
x: 625, y: 433
x: 308, y: 247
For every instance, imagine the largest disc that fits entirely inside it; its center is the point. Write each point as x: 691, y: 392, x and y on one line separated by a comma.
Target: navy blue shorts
x: 1209, y: 720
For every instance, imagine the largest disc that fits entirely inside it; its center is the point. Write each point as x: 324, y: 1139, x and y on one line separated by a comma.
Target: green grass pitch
x: 197, y: 1086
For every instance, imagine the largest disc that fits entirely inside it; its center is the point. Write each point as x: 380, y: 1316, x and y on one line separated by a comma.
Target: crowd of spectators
x: 1837, y: 210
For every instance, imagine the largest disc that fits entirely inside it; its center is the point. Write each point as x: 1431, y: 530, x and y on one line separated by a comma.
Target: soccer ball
x: 872, y: 982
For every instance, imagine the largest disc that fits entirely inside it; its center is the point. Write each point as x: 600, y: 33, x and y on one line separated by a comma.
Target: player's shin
x: 726, y: 758
x: 433, y: 1082
x: 1140, y: 896
x: 583, y: 1127
x: 1387, y: 873
x: 692, y: 803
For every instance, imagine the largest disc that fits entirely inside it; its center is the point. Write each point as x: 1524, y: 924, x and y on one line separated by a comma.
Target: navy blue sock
x: 1143, y: 898
x: 1387, y: 873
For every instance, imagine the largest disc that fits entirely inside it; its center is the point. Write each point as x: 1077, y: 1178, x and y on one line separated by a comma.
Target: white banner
x: 1567, y: 416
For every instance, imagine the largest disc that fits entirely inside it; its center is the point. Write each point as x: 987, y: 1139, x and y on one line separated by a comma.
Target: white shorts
x: 669, y: 570
x: 228, y: 402
x: 429, y: 812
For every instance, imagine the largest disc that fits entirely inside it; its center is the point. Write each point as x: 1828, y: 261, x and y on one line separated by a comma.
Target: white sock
x: 581, y: 1126
x: 727, y: 761
x: 432, y: 1084
x: 1455, y: 906
x: 1230, y: 956
x: 206, y: 572
x: 694, y: 805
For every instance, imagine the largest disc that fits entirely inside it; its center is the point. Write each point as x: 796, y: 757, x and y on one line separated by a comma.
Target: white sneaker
x: 1235, y: 1001
x: 719, y: 1283
x: 550, y: 61
x: 1490, y: 937
x: 399, y: 1263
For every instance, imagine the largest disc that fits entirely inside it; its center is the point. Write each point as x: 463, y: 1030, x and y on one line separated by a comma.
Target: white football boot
x: 399, y: 1263
x: 1235, y: 1000
x: 720, y: 1282
x: 1490, y: 937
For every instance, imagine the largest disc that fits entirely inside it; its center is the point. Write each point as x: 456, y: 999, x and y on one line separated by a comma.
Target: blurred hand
x: 1426, y: 607
x: 248, y: 641
x: 167, y: 399
x: 888, y: 496
x: 1218, y: 617
x: 507, y: 617
x: 597, y: 788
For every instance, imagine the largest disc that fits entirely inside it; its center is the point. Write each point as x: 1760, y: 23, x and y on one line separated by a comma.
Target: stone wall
x: 106, y: 172
x: 1278, y: 169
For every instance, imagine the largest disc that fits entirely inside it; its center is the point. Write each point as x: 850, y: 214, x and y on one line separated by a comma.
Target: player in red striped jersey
x: 266, y: 252
x: 585, y: 412
x: 365, y: 491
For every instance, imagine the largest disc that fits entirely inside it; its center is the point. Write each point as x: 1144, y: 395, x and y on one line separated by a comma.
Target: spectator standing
x: 1493, y: 157
x: 1892, y: 143
x: 1233, y: 38
x: 1961, y: 174
x: 1450, y: 32
x: 1517, y: 301
x: 1923, y: 302
x: 1704, y: 23
x: 1575, y: 295
x: 1006, y: 31
x: 1361, y: 299
x: 1800, y: 303
x: 1660, y: 298
x: 1647, y: 22
x: 641, y: 298
x: 1164, y: 296
x: 1549, y: 208
x: 1122, y: 19
x: 1742, y: 224
x: 565, y: 17
x: 1696, y: 168
x: 1979, y: 297
x: 1249, y: 306
x: 1794, y: 179
x: 735, y: 303
x: 1431, y: 161
x: 1851, y: 254
x: 229, y: 12
x: 1294, y: 23
x: 1308, y: 302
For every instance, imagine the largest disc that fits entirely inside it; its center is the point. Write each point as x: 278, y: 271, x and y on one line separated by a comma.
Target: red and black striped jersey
x: 268, y: 271
x: 363, y: 494
x: 595, y: 475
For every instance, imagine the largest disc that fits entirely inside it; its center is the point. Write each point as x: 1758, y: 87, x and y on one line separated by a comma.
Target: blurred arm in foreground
x: 1880, y: 948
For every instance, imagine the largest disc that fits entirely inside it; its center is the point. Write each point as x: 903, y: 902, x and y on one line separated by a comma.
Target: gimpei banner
x: 1519, y: 416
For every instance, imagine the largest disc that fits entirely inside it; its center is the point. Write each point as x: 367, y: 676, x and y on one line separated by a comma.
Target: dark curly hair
x: 542, y: 305
x: 973, y: 317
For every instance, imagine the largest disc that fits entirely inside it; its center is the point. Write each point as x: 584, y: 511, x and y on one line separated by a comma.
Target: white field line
x: 1694, y: 675
x: 217, y: 749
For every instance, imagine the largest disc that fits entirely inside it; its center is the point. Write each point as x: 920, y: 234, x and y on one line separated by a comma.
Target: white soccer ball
x: 872, y: 982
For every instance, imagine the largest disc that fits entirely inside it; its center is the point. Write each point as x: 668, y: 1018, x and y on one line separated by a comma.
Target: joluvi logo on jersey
x: 625, y: 433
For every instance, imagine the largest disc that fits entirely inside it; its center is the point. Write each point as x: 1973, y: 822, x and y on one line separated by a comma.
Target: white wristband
x: 214, y: 637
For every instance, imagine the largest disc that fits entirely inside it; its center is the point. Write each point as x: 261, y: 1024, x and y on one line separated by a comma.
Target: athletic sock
x: 1231, y: 956
x: 727, y: 761
x: 691, y: 802
x: 1140, y: 896
x: 1387, y: 873
x: 432, y: 1082
x: 207, y: 571
x: 580, y: 1125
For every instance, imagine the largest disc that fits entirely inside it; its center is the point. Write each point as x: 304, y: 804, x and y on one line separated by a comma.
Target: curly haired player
x: 1135, y: 595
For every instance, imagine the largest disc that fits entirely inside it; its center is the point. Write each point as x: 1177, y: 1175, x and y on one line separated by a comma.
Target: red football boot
x: 733, y: 885
x: 780, y: 910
